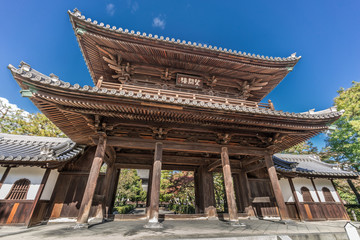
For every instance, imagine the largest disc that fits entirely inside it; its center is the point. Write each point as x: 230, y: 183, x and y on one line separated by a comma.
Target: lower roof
x: 35, y: 150
x: 309, y: 165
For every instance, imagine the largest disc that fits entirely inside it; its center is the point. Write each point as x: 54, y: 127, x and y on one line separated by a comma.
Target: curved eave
x: 114, y: 31
x: 42, y: 81
x: 316, y: 174
x: 277, y: 66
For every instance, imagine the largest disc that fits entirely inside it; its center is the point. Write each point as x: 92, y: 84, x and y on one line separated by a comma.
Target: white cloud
x: 134, y: 7
x: 159, y: 22
x: 12, y: 108
x: 110, y: 9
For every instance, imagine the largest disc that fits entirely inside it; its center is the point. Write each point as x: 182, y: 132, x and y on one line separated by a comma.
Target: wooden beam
x: 205, y: 192
x: 297, y: 203
x: 245, y: 194
x: 155, y: 185
x: 135, y: 143
x: 214, y: 165
x: 254, y: 167
x: 7, y: 170
x: 37, y: 197
x: 276, y: 187
x: 91, y: 182
x: 236, y: 180
x: 229, y: 185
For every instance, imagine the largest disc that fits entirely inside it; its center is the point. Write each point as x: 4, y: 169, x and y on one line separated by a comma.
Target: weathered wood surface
x: 29, y: 221
x: 276, y: 187
x: 155, y: 184
x: 229, y: 185
x: 205, y: 194
x: 14, y: 212
x: 296, y: 199
x: 92, y: 181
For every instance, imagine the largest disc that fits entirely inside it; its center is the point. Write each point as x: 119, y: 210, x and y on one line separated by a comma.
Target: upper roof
x: 35, y: 150
x: 153, y: 56
x: 309, y: 165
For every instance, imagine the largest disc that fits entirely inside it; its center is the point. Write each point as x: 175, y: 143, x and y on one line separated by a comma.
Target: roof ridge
x: 77, y: 14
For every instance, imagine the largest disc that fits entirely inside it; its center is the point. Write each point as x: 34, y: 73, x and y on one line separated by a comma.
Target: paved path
x: 175, y: 229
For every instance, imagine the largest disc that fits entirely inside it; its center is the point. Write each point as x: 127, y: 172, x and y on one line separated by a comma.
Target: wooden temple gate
x: 164, y: 104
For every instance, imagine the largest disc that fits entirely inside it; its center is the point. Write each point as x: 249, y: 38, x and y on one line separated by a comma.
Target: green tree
x: 129, y: 188
x: 302, y: 148
x: 344, y: 138
x: 17, y: 121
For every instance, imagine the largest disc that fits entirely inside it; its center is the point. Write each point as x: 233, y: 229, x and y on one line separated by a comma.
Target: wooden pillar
x: 114, y: 187
x: 148, y: 194
x: 155, y: 185
x: 276, y: 187
x: 107, y: 186
x: 198, y: 193
x: 2, y: 180
x: 91, y: 182
x: 236, y: 180
x: 297, y: 203
x: 245, y: 194
x: 204, y: 192
x: 229, y: 185
x: 37, y: 197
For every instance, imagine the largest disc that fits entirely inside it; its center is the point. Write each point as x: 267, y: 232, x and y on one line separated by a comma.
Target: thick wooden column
x: 148, y: 194
x: 204, y: 192
x: 37, y: 197
x: 236, y: 180
x: 155, y: 186
x: 107, y: 187
x: 276, y: 187
x: 229, y: 185
x: 198, y: 193
x: 245, y: 194
x: 91, y: 182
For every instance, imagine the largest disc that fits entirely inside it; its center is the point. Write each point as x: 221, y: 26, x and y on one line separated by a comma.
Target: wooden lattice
x: 327, y: 195
x: 306, y: 194
x: 19, y: 190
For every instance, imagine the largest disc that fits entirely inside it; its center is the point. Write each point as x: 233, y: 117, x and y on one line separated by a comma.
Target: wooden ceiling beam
x: 136, y: 143
x: 254, y: 167
x: 214, y: 165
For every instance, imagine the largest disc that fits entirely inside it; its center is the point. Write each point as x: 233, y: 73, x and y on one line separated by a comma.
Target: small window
x: 306, y: 194
x: 19, y: 190
x: 327, y: 195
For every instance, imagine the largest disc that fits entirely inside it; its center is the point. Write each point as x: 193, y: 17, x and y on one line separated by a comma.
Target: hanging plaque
x: 184, y: 80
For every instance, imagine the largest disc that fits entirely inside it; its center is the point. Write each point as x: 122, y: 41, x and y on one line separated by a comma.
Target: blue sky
x: 325, y: 33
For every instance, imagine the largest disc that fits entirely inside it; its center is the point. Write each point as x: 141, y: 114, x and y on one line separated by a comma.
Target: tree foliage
x: 344, y: 139
x: 302, y: 148
x: 17, y: 121
x: 129, y: 188
x: 177, y: 189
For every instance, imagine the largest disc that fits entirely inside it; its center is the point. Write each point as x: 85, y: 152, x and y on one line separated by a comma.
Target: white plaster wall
x: 49, y: 186
x: 320, y: 183
x: 2, y: 170
x: 286, y: 190
x: 304, y: 182
x: 34, y: 174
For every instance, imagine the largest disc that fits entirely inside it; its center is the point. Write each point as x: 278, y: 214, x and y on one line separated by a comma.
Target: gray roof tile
x: 36, y: 150
x: 309, y: 165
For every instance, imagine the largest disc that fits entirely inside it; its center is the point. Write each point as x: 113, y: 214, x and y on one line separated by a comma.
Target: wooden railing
x: 184, y: 95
